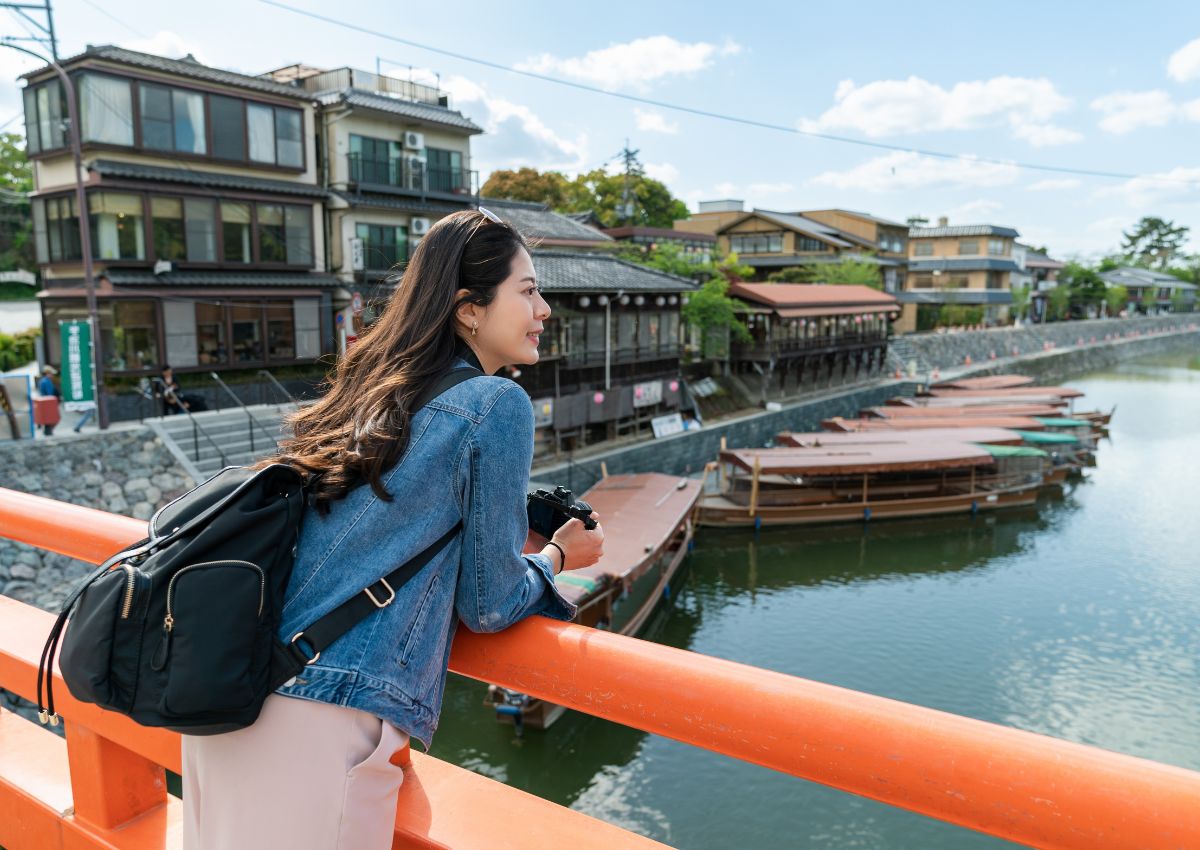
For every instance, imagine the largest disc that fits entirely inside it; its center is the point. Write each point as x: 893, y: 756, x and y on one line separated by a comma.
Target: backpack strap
x: 307, y: 645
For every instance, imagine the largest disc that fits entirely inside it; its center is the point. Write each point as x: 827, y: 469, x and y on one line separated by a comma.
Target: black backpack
x: 179, y: 630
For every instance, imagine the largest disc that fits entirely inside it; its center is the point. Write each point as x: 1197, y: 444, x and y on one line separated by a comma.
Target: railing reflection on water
x: 1017, y: 785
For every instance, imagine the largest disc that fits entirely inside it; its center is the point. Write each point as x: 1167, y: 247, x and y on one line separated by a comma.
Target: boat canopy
x: 979, y: 400
x: 1063, y: 422
x: 892, y: 412
x: 998, y: 436
x: 1046, y: 437
x: 1003, y: 392
x: 935, y: 422
x: 987, y: 382
x: 1013, y: 451
x: 859, y: 460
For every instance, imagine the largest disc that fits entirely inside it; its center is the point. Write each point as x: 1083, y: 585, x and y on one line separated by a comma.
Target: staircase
x: 229, y: 432
x: 901, y: 353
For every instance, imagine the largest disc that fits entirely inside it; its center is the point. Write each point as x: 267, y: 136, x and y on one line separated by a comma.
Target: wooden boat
x: 837, y: 423
x: 987, y: 382
x: 893, y: 412
x: 648, y: 524
x: 1005, y: 392
x: 932, y: 402
x: 844, y: 483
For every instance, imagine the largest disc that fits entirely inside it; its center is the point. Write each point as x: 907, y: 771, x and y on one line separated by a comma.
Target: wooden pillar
x: 754, y: 486
x: 110, y: 784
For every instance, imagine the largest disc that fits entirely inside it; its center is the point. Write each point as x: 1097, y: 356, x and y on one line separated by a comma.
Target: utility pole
x: 47, y: 38
x: 632, y: 169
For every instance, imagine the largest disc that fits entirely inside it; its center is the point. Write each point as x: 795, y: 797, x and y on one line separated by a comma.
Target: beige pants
x: 306, y: 776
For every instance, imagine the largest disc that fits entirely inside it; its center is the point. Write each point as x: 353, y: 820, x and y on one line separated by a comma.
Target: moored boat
x: 648, y: 523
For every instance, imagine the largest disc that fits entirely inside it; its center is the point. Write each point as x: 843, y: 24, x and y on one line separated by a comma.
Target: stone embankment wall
x: 686, y: 453
x: 122, y: 471
x: 949, y: 350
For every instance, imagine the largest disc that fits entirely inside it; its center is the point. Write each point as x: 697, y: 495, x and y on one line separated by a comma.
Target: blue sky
x: 1104, y: 86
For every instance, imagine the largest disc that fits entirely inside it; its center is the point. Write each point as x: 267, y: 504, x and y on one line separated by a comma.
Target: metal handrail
x: 250, y: 425
x: 291, y: 399
x: 197, y: 429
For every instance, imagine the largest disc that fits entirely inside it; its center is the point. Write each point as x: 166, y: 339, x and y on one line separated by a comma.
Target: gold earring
x: 474, y: 328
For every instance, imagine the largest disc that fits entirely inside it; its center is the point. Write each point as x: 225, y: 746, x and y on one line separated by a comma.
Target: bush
x: 16, y: 350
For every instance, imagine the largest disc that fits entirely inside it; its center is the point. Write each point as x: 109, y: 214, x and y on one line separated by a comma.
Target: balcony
x: 620, y: 356
x: 411, y: 176
x: 762, y: 350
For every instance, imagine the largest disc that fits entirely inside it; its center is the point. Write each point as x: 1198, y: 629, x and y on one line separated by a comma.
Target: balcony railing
x: 411, y: 175
x: 810, y: 345
x: 584, y: 359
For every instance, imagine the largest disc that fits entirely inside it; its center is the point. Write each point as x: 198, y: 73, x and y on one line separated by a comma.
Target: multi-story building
x: 1152, y: 292
x: 693, y: 246
x: 962, y: 266
x: 394, y: 158
x: 890, y: 239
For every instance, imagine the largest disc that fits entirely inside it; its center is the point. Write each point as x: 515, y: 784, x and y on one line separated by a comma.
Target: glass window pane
x: 229, y: 127
x: 272, y: 242
x: 200, y: 227
x: 247, y: 332
x: 179, y: 332
x: 106, y: 109
x: 235, y: 232
x: 299, y: 235
x: 49, y: 111
x: 308, y: 328
x: 260, y: 121
x: 281, y: 331
x: 155, y: 102
x: 134, y: 340
x: 118, y: 227
x: 32, y: 144
x: 288, y: 138
x: 39, y: 231
x: 210, y: 333
x: 62, y: 226
x: 189, y: 122
x: 167, y: 214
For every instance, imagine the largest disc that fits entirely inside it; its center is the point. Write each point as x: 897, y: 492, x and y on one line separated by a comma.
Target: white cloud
x: 166, y: 43
x: 636, y: 63
x: 1184, y: 64
x: 905, y: 170
x: 516, y: 135
x: 664, y: 172
x: 892, y: 107
x: 1125, y: 111
x: 726, y: 189
x: 654, y: 122
x: 979, y: 208
x: 1054, y: 184
x: 1178, y: 183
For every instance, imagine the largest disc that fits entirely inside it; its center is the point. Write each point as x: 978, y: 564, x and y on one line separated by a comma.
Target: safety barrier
x: 1016, y: 785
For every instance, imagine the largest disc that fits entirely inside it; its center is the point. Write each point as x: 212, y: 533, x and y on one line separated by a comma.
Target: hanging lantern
x: 602, y: 300
x: 674, y: 386
x: 584, y: 301
x: 624, y: 300
x: 673, y: 300
x: 598, y: 398
x: 660, y: 301
x: 639, y: 301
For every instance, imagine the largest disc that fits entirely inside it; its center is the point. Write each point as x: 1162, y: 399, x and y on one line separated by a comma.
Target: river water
x: 1076, y: 619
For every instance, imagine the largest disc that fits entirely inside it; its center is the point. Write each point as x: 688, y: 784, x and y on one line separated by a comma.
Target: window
x: 922, y: 281
x: 172, y: 119
x: 968, y: 246
x: 997, y: 247
x: 281, y: 331
x: 375, y: 161
x: 131, y: 341
x: 298, y: 234
x: 228, y: 116
x: 210, y: 334
x: 444, y: 170
x: 167, y: 217
x: 803, y: 243
x: 756, y: 243
x: 922, y: 249
x: 44, y: 111
x: 383, y: 245
x: 62, y: 229
x: 106, y: 110
x: 272, y: 241
x: 276, y: 135
x: 235, y: 232
x: 118, y: 226
x: 200, y: 229
x: 246, y: 321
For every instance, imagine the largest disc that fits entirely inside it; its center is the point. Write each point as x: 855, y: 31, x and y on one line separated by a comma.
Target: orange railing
x: 1017, y: 785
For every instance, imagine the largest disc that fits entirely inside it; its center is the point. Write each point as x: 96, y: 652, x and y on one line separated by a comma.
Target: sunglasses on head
x: 489, y: 215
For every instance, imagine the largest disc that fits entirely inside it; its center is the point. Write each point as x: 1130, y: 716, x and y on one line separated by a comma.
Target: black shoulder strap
x: 341, y: 619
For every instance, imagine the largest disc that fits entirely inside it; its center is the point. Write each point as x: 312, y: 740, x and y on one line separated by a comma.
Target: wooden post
x: 603, y: 469
x: 972, y: 480
x: 754, y: 486
x: 864, y: 496
x: 111, y: 784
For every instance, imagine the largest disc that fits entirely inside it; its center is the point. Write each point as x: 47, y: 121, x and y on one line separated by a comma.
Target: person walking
x: 391, y: 476
x: 47, y: 406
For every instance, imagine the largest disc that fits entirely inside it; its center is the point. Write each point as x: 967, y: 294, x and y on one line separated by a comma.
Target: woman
x: 315, y: 771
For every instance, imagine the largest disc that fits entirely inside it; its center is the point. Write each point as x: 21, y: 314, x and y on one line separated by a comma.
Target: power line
x: 111, y: 16
x: 720, y: 116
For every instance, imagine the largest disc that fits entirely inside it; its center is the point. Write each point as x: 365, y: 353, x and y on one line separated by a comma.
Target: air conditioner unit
x: 419, y: 226
x: 414, y: 141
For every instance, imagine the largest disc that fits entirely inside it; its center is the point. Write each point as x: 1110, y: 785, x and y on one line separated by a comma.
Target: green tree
x: 712, y: 311
x: 1084, y: 284
x: 529, y: 184
x: 1153, y: 242
x: 1020, y: 302
x: 597, y: 190
x: 1058, y: 301
x: 846, y: 272
x: 1179, y: 302
x: 1116, y: 299
x: 1112, y: 261
x: 16, y: 221
x: 1149, y: 299
x: 793, y: 274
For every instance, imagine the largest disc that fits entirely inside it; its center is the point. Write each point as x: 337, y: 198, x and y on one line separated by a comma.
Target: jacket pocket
x: 417, y: 629
x: 211, y: 636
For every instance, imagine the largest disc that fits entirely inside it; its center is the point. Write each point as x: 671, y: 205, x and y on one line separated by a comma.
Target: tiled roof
x: 183, y: 67
x: 125, y: 277
x: 955, y: 296
x: 810, y: 295
x: 214, y: 179
x: 1133, y: 276
x: 538, y: 221
x: 964, y: 264
x: 762, y: 261
x: 425, y: 112
x: 397, y: 202
x: 961, y: 230
x: 865, y: 216
x: 568, y: 271
x: 802, y: 224
x: 660, y: 233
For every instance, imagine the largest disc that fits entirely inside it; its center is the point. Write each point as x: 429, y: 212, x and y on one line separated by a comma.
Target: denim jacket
x: 468, y: 458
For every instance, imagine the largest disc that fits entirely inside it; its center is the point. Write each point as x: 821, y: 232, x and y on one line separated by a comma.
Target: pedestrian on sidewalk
x: 392, y: 477
x: 46, y: 406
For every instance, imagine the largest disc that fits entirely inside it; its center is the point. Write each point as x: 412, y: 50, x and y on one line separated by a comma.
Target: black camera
x: 548, y: 512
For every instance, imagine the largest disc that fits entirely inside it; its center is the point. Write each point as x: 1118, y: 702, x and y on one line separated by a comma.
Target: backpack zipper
x: 130, y: 586
x: 169, y: 620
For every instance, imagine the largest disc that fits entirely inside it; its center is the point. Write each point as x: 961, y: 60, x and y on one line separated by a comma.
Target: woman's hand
x: 582, y: 548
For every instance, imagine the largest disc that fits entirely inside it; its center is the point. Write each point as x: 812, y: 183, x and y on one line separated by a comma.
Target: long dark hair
x: 359, y: 427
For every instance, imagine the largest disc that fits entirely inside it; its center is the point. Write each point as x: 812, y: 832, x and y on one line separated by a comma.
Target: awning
x: 806, y: 312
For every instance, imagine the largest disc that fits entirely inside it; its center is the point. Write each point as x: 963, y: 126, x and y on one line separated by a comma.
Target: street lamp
x: 85, y: 233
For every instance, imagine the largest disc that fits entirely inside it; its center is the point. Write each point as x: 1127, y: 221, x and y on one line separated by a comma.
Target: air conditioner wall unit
x: 414, y: 140
x: 419, y: 226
